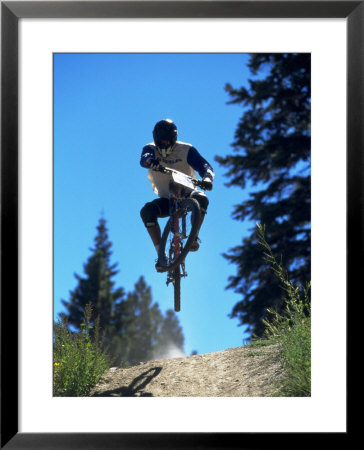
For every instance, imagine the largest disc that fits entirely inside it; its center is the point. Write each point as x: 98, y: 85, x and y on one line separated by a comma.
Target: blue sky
x: 105, y: 107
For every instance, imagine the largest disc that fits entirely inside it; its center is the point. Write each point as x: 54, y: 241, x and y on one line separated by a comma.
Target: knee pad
x: 202, y: 200
x: 149, y: 214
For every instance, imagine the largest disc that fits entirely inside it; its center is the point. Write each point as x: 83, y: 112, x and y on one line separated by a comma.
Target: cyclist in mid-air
x: 166, y: 151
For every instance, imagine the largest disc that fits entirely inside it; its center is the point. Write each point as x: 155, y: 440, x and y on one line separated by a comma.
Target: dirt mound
x: 236, y: 372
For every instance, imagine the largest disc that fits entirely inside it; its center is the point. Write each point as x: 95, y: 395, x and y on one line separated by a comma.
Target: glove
x: 153, y: 164
x: 207, y: 184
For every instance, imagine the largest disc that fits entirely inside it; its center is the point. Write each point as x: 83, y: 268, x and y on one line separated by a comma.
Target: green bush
x: 78, y: 358
x: 292, y: 329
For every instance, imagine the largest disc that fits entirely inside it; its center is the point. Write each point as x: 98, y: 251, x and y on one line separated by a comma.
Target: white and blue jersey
x: 184, y: 158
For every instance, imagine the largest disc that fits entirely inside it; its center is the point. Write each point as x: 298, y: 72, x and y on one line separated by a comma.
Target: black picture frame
x: 11, y: 13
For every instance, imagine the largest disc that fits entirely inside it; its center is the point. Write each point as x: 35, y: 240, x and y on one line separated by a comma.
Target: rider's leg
x: 203, y: 214
x: 155, y: 234
x: 150, y: 213
x: 203, y: 202
x: 196, y: 245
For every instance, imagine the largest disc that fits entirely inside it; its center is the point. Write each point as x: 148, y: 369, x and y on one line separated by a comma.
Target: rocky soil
x: 235, y: 372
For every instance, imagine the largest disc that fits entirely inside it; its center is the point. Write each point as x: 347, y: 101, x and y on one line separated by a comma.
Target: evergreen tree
x: 96, y: 286
x: 272, y: 152
x: 130, y: 324
x: 141, y: 320
x: 145, y: 334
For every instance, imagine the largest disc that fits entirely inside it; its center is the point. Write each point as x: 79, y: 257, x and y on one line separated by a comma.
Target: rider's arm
x: 198, y: 163
x: 147, y: 158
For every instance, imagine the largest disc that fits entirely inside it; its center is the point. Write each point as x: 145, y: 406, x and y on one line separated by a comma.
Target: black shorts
x: 159, y: 207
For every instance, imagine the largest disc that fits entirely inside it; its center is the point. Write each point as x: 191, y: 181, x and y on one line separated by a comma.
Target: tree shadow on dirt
x: 135, y: 387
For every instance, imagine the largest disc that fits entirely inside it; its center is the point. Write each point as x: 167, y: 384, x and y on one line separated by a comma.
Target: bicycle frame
x: 175, y: 232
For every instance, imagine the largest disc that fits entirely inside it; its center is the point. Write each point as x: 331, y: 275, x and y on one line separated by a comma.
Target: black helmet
x: 165, y: 130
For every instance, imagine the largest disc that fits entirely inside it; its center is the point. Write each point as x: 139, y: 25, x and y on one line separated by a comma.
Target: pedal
x: 184, y: 273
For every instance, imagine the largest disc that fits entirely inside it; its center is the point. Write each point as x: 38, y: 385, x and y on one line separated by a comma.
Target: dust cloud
x: 169, y: 351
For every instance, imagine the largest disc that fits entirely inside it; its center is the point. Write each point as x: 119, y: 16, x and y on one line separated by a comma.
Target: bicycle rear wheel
x: 178, y: 237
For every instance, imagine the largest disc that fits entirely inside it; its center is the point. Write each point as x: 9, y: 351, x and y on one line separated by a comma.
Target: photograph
x: 168, y: 165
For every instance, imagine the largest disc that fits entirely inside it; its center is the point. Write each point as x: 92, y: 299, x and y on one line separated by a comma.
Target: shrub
x: 291, y: 328
x: 78, y: 358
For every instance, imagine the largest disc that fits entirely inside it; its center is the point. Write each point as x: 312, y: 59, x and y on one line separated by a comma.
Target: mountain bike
x: 181, y: 228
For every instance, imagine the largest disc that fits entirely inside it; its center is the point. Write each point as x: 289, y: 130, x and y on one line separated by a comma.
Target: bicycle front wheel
x: 177, y: 289
x: 179, y: 234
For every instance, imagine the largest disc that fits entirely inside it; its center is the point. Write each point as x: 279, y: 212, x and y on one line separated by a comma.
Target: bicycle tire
x: 177, y: 289
x: 192, y: 206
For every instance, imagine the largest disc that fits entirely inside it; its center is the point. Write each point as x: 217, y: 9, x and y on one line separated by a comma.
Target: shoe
x: 195, y: 245
x: 158, y: 267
